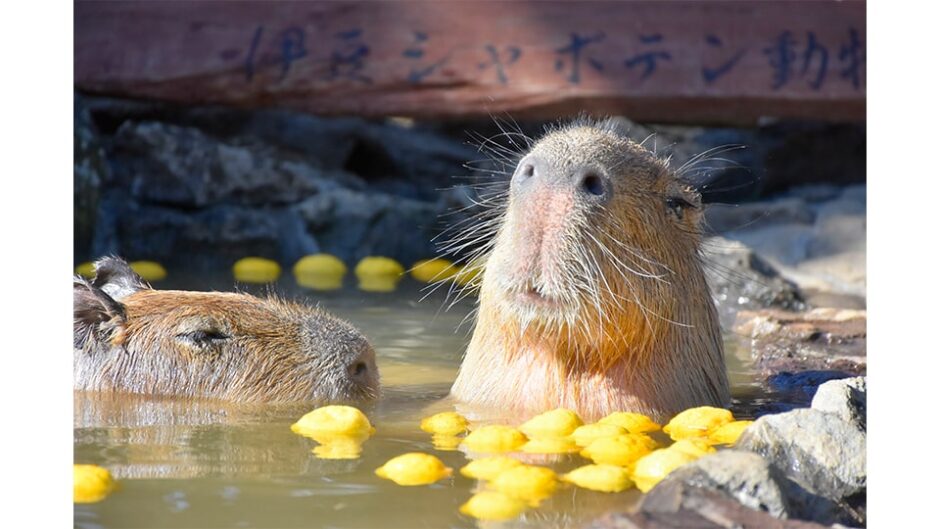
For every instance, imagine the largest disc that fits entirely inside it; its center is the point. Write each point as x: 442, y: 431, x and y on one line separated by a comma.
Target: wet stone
x: 743, y: 476
x: 706, y: 509
x: 844, y: 398
x: 750, y: 480
x: 821, y: 452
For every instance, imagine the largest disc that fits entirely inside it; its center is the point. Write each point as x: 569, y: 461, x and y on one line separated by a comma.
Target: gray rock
x: 91, y: 169
x: 845, y: 398
x: 705, y: 509
x: 393, y: 157
x: 743, y: 476
x: 851, y: 201
x: 825, y: 255
x: 391, y: 154
x: 741, y: 280
x: 748, y: 479
x: 353, y: 225
x: 271, y: 183
x: 841, y: 227
x: 837, y: 300
x: 815, y: 192
x: 818, y: 450
x: 781, y: 244
x: 752, y: 215
x: 855, y: 192
x: 210, y: 239
x: 822, y: 339
x: 168, y: 164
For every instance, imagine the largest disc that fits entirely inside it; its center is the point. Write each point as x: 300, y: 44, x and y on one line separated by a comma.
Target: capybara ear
x: 116, y: 278
x: 97, y: 316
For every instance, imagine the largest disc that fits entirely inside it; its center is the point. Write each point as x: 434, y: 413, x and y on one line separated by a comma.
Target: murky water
x: 185, y: 464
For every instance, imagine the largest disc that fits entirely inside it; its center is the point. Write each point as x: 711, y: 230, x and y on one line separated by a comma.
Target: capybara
x: 593, y: 295
x: 129, y: 337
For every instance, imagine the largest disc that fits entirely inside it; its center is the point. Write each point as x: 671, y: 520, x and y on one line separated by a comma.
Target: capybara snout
x: 129, y: 337
x: 587, y: 182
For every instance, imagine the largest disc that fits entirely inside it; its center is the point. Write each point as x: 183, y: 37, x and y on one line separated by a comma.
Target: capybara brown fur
x: 129, y: 337
x: 593, y: 294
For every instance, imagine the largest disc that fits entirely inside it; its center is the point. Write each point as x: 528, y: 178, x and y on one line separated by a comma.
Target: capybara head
x: 595, y: 265
x: 131, y: 338
x: 595, y: 224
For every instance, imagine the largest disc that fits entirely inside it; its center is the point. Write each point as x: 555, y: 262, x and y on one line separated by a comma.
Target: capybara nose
x: 361, y: 369
x: 527, y: 171
x: 590, y: 184
x: 585, y: 182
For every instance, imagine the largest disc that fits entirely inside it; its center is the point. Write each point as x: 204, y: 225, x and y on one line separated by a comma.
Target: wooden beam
x: 676, y: 61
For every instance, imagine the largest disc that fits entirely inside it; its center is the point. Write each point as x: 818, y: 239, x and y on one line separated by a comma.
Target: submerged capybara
x: 593, y: 295
x: 131, y: 338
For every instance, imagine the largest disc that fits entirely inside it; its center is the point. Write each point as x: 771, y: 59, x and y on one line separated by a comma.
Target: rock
x: 822, y: 453
x: 268, y: 184
x: 706, y: 509
x: 845, y: 398
x: 748, y: 479
x: 743, y: 476
x: 813, y: 193
x: 740, y: 279
x: 392, y: 157
x: 352, y: 225
x: 840, y: 227
x: 91, y: 169
x: 210, y: 239
x: 836, y: 300
x: 329, y: 141
x: 167, y: 164
x: 825, y: 255
x: 857, y: 192
x: 822, y: 339
x: 753, y: 215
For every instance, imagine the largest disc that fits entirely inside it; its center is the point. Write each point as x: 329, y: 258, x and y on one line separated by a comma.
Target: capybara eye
x: 203, y: 338
x: 677, y: 205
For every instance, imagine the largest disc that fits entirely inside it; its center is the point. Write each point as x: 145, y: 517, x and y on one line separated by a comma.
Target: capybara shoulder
x: 129, y: 337
x: 593, y: 295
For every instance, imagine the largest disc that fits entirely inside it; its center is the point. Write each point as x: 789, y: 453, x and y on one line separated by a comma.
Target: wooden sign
x: 679, y: 61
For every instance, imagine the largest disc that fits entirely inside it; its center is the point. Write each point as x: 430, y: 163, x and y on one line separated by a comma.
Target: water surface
x: 203, y: 464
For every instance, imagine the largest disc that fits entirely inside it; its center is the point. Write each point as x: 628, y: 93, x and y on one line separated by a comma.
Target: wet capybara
x: 593, y: 295
x: 131, y: 338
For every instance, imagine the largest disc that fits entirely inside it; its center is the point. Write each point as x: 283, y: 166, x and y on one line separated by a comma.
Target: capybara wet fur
x: 593, y: 294
x: 129, y: 337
